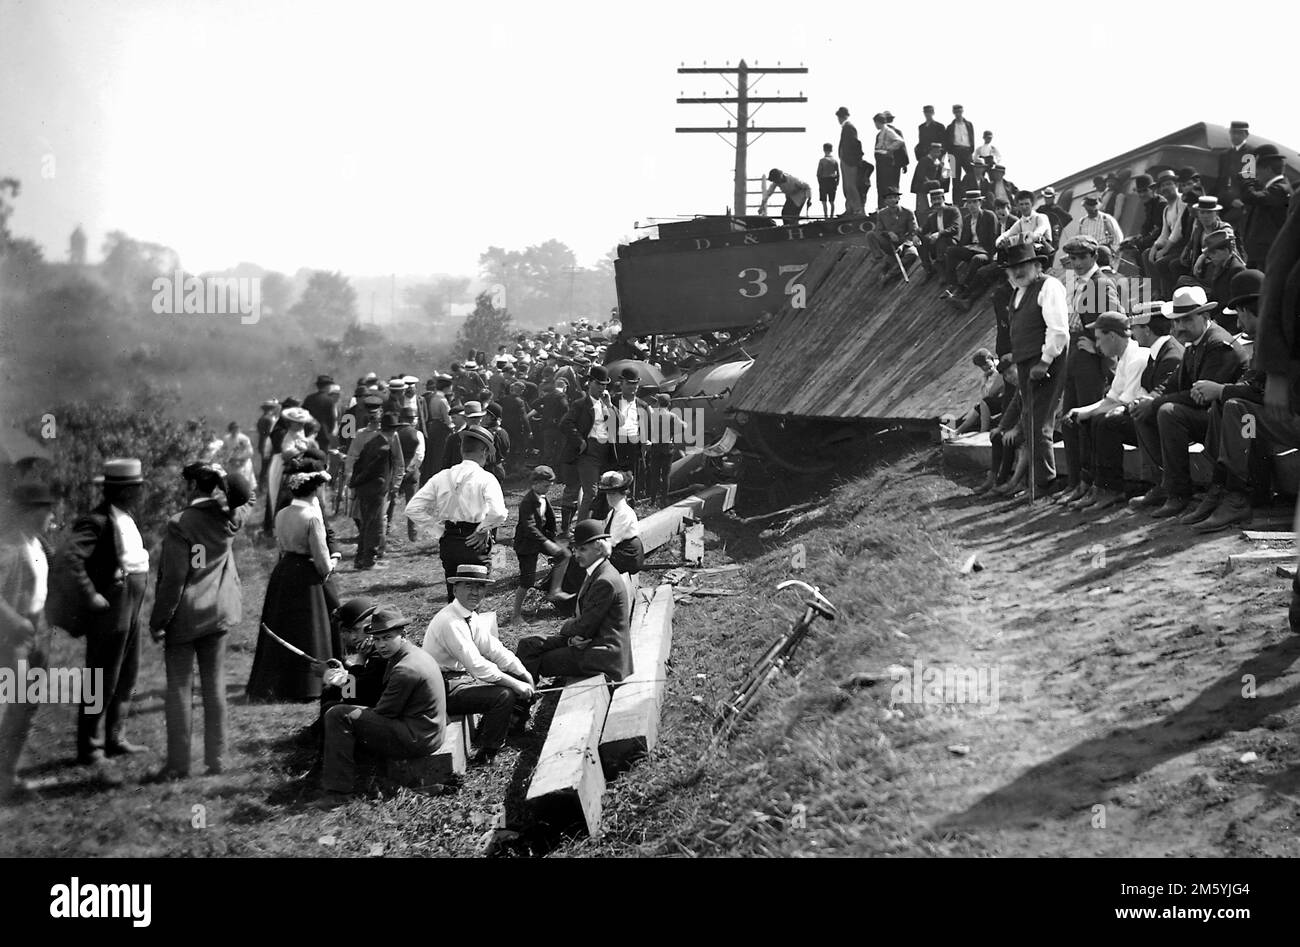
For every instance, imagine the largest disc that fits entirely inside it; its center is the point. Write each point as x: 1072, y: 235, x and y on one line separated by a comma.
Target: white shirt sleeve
x: 1051, y: 299
x: 424, y: 507
x: 494, y: 503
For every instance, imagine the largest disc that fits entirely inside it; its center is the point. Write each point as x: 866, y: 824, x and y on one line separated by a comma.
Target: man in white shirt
x: 891, y: 155
x: 1039, y: 329
x: 24, y: 638
x: 1100, y: 226
x: 797, y: 195
x: 987, y: 153
x: 107, y: 559
x: 481, y: 675
x: 632, y: 417
x: 461, y: 506
x: 1029, y: 227
x: 1114, y: 341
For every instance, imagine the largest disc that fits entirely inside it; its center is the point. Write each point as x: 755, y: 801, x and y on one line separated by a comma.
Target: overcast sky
x: 378, y: 137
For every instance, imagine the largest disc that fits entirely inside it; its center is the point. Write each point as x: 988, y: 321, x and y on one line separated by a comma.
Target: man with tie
x: 1168, y: 423
x: 939, y: 228
x: 461, y: 506
x: 974, y: 248
x: 479, y: 673
x: 597, y: 640
x: 534, y: 533
x: 587, y: 428
x: 631, y: 418
x: 959, y: 141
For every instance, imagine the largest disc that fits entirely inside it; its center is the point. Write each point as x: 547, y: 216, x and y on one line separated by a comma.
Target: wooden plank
x: 1259, y: 556
x: 632, y: 724
x: 1263, y: 536
x: 1286, y: 572
x: 449, y: 761
x: 661, y: 526
x: 567, y: 784
x: 693, y: 545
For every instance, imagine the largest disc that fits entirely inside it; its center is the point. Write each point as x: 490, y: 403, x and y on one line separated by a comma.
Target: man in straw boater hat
x: 597, y: 640
x: 1279, y: 341
x: 107, y: 565
x: 1169, y: 423
x: 1039, y: 334
x: 480, y: 674
x: 24, y: 632
x: 408, y: 721
x: 462, y: 505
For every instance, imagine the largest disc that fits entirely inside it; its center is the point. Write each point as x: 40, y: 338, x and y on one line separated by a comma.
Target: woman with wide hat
x: 299, y: 601
x: 292, y: 444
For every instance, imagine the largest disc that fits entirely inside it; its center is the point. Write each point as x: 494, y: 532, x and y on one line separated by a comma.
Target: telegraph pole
x: 744, y: 126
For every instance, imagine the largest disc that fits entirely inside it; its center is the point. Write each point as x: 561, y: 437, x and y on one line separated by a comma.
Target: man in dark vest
x: 1039, y: 327
x: 1091, y: 294
x: 1265, y: 197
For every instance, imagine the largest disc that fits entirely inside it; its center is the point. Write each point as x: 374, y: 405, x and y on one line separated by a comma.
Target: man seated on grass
x: 408, y: 721
x: 597, y: 640
x: 480, y: 674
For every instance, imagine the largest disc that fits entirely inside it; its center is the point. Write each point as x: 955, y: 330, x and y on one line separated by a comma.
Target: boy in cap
x: 24, y: 633
x: 480, y: 674
x: 828, y: 180
x: 534, y: 533
x: 356, y: 673
x: 407, y: 722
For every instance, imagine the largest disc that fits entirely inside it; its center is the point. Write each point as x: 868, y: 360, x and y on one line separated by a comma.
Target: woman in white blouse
x: 292, y: 446
x: 298, y: 601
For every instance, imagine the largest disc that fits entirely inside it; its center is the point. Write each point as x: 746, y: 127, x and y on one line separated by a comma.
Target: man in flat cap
x: 828, y: 185
x: 1233, y: 161
x: 1265, y: 197
x: 1090, y: 292
x: 461, y: 506
x: 850, y: 154
x: 940, y: 226
x: 959, y: 141
x: 998, y: 188
x: 408, y: 722
x: 798, y: 195
x: 1169, y: 423
x: 930, y: 131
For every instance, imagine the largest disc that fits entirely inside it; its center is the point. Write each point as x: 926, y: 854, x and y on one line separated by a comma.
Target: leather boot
x: 1234, y: 510
x: 1201, y: 512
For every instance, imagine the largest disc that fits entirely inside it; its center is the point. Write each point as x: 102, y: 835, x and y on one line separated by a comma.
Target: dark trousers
x: 658, y: 465
x: 552, y: 444
x: 886, y: 177
x: 888, y: 246
x: 495, y: 702
x: 371, y: 502
x: 550, y: 657
x: 627, y: 456
x: 1085, y: 384
x: 1042, y: 425
x: 934, y: 250
x: 955, y: 258
x: 1164, y: 438
x: 347, y: 725
x: 407, y: 490
x: 179, y: 659
x: 964, y: 158
x: 454, y: 551
x: 591, y: 463
x: 114, y: 647
x: 16, y: 719
x: 1108, y: 436
x: 1241, y: 438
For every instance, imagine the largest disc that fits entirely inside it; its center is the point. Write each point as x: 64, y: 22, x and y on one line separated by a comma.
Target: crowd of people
x: 445, y: 449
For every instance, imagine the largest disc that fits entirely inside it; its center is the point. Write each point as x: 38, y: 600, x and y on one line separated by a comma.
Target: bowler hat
x: 841, y: 111
x: 324, y: 380
x: 1266, y: 151
x: 598, y: 374
x: 356, y: 610
x: 1166, y: 175
x: 629, y: 374
x: 471, y: 572
x: 1142, y: 181
x: 389, y: 420
x: 1092, y: 199
x: 588, y: 530
x: 121, y: 471
x: 387, y: 618
x: 1245, y: 287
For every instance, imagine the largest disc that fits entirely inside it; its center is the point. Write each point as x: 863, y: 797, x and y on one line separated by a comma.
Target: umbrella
x: 16, y: 446
x: 650, y: 376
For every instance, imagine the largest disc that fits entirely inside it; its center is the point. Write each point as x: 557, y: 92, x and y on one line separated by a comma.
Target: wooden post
x: 568, y: 782
x: 741, y: 198
x: 693, y: 544
x: 632, y: 724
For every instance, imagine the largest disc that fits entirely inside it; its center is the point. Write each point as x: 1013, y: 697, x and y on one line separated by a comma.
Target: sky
x: 384, y: 137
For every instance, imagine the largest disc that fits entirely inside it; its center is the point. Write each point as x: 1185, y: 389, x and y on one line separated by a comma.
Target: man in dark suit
x: 1058, y: 215
x: 631, y: 420
x: 1221, y: 263
x: 376, y: 472
x: 1153, y: 210
x: 1168, y: 423
x: 1232, y: 162
x: 850, y: 154
x: 929, y: 132
x: 959, y: 141
x: 940, y: 227
x: 534, y: 533
x: 109, y: 565
x: 930, y: 171
x: 1266, y: 197
x: 974, y: 249
x: 408, y: 721
x: 587, y: 432
x: 597, y: 640
x: 324, y: 409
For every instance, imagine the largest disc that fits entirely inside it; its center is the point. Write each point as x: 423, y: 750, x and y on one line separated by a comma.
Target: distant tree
x: 21, y: 264
x: 12, y: 186
x: 433, y: 299
x: 277, y: 291
x: 77, y: 247
x: 485, y: 327
x: 131, y: 265
x: 328, y: 305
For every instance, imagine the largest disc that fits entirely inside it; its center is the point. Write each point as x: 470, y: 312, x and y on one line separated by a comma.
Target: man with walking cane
x: 1039, y: 335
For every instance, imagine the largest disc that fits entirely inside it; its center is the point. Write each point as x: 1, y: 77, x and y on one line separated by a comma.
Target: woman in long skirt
x: 299, y: 601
